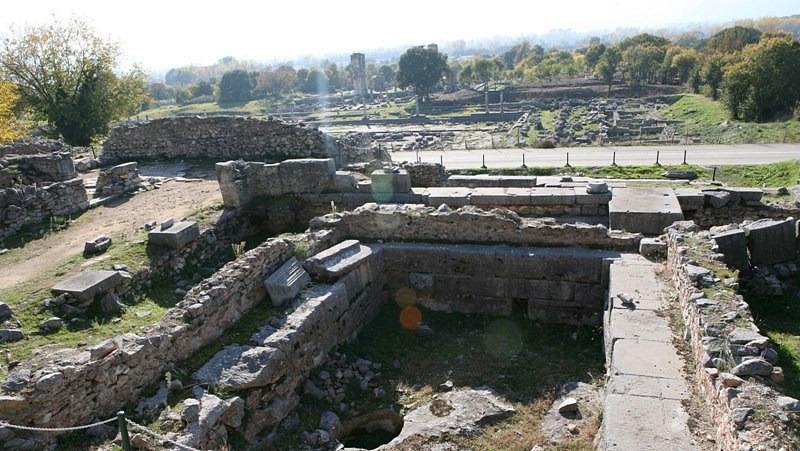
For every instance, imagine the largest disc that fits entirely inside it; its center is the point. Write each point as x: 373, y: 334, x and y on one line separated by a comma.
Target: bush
x: 545, y: 144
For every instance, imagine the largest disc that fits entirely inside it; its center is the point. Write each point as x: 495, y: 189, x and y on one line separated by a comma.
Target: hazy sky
x: 168, y: 33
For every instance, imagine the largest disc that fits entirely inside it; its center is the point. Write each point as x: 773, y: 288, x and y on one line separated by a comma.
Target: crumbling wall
x: 119, y: 179
x: 554, y: 285
x: 39, y: 146
x: 30, y: 204
x: 734, y: 364
x: 426, y: 174
x: 37, y: 169
x: 222, y: 138
x: 393, y: 222
x: 80, y: 385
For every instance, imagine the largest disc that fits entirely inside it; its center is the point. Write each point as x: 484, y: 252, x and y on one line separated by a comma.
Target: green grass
x: 522, y: 360
x: 704, y: 117
x: 785, y: 173
x: 253, y: 108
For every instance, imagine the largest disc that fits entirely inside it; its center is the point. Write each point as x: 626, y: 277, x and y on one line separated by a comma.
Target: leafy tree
x: 333, y: 76
x: 389, y: 76
x: 421, y: 68
x: 640, y: 64
x: 644, y: 39
x: 277, y: 82
x: 180, y: 76
x: 10, y: 127
x: 182, y: 96
x: 695, y: 80
x: 68, y: 76
x: 733, y: 39
x: 765, y: 84
x: 300, y: 80
x: 235, y: 86
x: 482, y: 69
x: 316, y: 82
x: 202, y: 88
x: 593, y: 54
x: 607, y: 65
x: 712, y: 74
x: 160, y: 91
x: 682, y: 63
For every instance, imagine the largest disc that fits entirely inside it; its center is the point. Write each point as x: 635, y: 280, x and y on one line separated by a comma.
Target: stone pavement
x: 643, y: 407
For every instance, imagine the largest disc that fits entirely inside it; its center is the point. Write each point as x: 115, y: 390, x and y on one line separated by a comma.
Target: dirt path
x: 174, y: 199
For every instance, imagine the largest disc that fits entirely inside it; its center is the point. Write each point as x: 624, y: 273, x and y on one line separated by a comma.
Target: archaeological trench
x: 656, y: 272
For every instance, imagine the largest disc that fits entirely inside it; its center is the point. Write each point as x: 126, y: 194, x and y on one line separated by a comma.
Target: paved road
x: 706, y: 155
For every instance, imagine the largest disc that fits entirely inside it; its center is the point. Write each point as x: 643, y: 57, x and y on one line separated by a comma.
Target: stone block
x: 552, y: 196
x: 344, y: 182
x: 517, y: 181
x: 474, y: 181
x: 97, y: 245
x: 733, y: 246
x: 306, y: 175
x: 176, y: 237
x: 86, y: 285
x: 745, y: 194
x: 286, y: 282
x: 390, y: 182
x: 771, y: 241
x: 499, y: 196
x: 690, y: 199
x: 717, y: 198
x: 452, y: 197
x: 646, y: 211
x: 644, y: 423
x: 653, y: 248
x: 338, y: 260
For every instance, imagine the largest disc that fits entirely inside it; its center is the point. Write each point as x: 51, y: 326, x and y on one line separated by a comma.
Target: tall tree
x: 484, y: 70
x: 607, y: 65
x: 712, y: 74
x: 421, y: 68
x: 235, y: 86
x: 65, y: 69
x: 732, y: 39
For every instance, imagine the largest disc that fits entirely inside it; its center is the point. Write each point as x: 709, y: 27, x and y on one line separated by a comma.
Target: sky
x: 168, y: 33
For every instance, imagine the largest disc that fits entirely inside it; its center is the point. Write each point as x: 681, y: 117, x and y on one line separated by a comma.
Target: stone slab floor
x: 643, y: 408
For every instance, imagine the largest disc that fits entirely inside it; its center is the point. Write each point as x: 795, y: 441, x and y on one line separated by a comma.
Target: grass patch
x: 705, y: 118
x: 784, y: 173
x: 522, y: 360
x: 32, y: 232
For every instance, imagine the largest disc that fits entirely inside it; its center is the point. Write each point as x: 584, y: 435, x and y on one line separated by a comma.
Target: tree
x: 643, y: 39
x: 389, y: 76
x: 333, y: 76
x: 300, y: 79
x: 10, y: 127
x: 712, y: 74
x: 235, y: 86
x: 421, y: 68
x: 202, y: 88
x: 593, y: 54
x: 68, y: 76
x: 765, y: 84
x: 606, y: 66
x: 482, y: 69
x: 733, y: 39
x: 160, y: 91
x: 640, y: 64
x: 316, y: 82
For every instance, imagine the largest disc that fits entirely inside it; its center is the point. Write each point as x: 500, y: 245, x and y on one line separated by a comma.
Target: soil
x: 120, y: 218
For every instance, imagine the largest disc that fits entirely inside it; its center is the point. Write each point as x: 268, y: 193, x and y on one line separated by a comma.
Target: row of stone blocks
x: 762, y: 242
x: 328, y: 298
x: 555, y: 285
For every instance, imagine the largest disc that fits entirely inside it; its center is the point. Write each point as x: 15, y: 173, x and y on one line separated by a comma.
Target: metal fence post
x: 123, y: 431
x: 483, y: 159
x: 684, y: 157
x: 614, y: 158
x: 567, y: 165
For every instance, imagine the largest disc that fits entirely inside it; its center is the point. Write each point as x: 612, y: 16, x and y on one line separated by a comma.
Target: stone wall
x: 120, y: 179
x: 29, y: 204
x: 36, y: 169
x: 426, y: 174
x: 469, y: 224
x: 554, y: 285
x: 39, y: 146
x: 224, y: 138
x: 716, y: 207
x: 734, y: 364
x: 75, y: 386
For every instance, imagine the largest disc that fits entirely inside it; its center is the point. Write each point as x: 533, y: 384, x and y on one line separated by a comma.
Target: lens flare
x: 410, y: 317
x: 503, y: 340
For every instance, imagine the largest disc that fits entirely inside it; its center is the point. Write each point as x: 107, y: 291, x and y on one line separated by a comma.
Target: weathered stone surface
x: 653, y: 248
x: 717, y: 198
x: 648, y: 211
x: 733, y: 246
x: 22, y: 205
x: 88, y: 284
x: 771, y: 241
x: 752, y: 367
x: 97, y: 245
x: 238, y: 367
x: 5, y: 312
x: 644, y: 423
x: 596, y: 187
x: 176, y: 236
x: 581, y: 404
x: 11, y: 335
x: 120, y: 179
x: 286, y: 282
x: 338, y: 260
x: 459, y: 412
x: 690, y: 199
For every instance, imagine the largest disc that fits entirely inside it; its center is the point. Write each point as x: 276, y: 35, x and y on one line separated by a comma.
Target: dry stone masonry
x: 119, y: 179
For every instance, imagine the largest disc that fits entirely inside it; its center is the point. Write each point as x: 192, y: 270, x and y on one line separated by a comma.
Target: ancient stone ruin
x: 658, y: 269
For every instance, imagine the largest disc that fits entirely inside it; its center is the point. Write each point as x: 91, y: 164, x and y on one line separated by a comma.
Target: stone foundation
x: 28, y: 204
x: 120, y: 179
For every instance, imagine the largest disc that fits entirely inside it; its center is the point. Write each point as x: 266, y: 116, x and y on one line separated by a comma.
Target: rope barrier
x: 65, y: 429
x: 160, y: 437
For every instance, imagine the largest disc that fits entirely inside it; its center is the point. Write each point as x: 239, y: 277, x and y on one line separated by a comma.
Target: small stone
x: 110, y: 304
x: 788, y: 403
x: 10, y: 335
x: 627, y: 300
x: 119, y: 267
x: 740, y: 416
x: 712, y: 372
x: 572, y: 428
x: 50, y: 325
x: 445, y: 386
x: 729, y: 380
x: 5, y: 311
x: 175, y: 385
x: 568, y: 406
x: 777, y: 375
